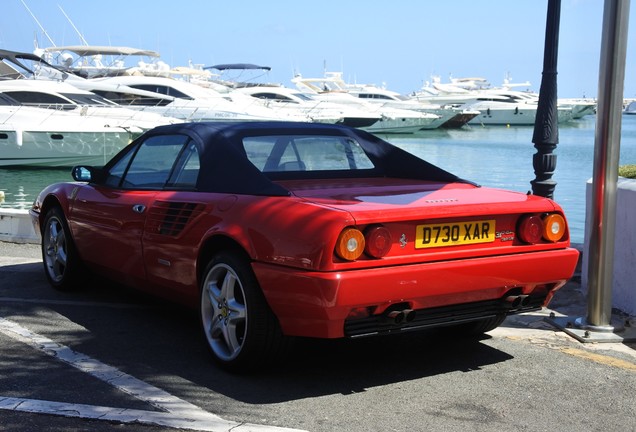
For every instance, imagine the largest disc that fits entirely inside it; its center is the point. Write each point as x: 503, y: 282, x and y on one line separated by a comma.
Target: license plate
x: 456, y: 233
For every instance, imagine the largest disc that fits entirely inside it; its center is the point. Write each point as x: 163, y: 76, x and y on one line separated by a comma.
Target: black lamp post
x: 546, y: 125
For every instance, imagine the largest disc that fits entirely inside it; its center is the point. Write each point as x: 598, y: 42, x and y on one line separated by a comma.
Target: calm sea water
x: 496, y: 156
x: 502, y: 157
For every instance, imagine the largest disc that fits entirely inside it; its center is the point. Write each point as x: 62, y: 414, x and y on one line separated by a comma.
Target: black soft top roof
x: 226, y: 167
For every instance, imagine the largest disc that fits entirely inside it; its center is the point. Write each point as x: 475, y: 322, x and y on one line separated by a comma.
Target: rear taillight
x: 535, y: 228
x: 350, y: 244
x: 530, y: 229
x: 378, y: 241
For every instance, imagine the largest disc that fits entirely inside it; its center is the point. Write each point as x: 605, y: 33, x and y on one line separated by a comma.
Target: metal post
x: 597, y: 326
x: 546, y: 127
x: 606, y: 159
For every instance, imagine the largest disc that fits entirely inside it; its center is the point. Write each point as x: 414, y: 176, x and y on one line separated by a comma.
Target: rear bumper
x: 320, y: 304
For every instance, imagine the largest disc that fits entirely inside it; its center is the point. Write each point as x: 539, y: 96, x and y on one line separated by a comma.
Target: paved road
x: 110, y: 359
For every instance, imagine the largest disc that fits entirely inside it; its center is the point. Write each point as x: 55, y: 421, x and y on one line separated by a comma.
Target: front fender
x: 55, y: 195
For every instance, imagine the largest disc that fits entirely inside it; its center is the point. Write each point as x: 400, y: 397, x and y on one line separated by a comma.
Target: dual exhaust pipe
x: 400, y: 316
x: 517, y: 301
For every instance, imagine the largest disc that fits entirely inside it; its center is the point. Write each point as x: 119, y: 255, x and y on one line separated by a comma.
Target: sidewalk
x: 569, y: 304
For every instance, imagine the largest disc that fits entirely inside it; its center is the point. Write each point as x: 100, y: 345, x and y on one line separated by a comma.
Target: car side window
x: 116, y: 172
x: 186, y: 171
x: 151, y: 165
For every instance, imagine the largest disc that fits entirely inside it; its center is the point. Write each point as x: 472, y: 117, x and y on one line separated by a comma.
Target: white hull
x: 580, y: 107
x: 403, y: 125
x: 40, y: 137
x: 518, y: 116
x: 60, y: 96
x: 630, y: 109
x: 292, y: 101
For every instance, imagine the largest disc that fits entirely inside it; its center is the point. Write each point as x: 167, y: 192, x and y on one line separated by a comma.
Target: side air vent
x: 170, y: 218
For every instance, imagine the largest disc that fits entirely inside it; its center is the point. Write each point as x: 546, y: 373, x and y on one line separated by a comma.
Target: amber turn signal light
x: 350, y: 244
x: 553, y: 227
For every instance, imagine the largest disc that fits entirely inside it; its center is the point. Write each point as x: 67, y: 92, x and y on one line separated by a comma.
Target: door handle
x: 139, y: 208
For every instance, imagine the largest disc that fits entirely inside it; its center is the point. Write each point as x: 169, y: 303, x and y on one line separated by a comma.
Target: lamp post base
x: 584, y: 332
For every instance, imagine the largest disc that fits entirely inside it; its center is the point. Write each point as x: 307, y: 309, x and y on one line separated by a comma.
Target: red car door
x: 171, y: 240
x: 107, y: 226
x: 108, y: 218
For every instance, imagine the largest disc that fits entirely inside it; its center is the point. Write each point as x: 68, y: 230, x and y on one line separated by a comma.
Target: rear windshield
x: 306, y: 153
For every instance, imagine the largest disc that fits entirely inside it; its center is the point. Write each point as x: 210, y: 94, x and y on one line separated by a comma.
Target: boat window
x: 87, y: 99
x: 8, y: 72
x: 303, y: 96
x: 5, y: 100
x: 123, y: 98
x: 374, y: 96
x: 273, y: 96
x: 162, y: 89
x: 306, y: 153
x: 37, y: 98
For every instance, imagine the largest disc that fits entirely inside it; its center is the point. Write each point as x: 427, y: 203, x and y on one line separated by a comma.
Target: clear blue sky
x: 399, y: 43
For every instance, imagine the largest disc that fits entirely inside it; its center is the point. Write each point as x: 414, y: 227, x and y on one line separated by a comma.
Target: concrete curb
x: 16, y: 227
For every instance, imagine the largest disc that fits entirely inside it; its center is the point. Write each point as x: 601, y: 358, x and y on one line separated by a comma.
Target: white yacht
x: 497, y: 106
x: 449, y: 116
x: 45, y: 121
x: 33, y: 136
x: 192, y: 102
x: 511, y: 107
x: 392, y: 121
x: 58, y: 95
x: 90, y: 61
x: 27, y: 79
x: 179, y: 99
x: 580, y: 106
x: 320, y: 111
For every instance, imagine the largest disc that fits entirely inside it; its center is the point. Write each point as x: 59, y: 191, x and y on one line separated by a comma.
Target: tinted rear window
x: 306, y: 153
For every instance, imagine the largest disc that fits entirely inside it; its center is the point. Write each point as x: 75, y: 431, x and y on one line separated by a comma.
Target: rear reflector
x: 531, y: 229
x: 378, y: 241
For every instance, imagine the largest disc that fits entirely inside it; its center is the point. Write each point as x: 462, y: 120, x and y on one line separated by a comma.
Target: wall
x: 16, y: 227
x: 624, y: 276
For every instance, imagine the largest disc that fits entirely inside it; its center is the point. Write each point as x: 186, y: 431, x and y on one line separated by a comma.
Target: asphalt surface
x: 108, y: 358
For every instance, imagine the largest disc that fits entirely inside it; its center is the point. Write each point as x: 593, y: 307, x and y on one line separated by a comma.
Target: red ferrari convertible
x: 276, y: 229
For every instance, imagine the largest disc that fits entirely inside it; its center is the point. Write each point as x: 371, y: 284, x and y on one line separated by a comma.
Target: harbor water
x: 495, y: 156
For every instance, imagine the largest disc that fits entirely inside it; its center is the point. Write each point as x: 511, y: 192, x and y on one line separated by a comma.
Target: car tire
x: 240, y: 329
x: 62, y: 265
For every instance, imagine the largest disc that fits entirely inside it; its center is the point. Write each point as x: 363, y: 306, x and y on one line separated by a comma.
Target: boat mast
x: 84, y: 42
